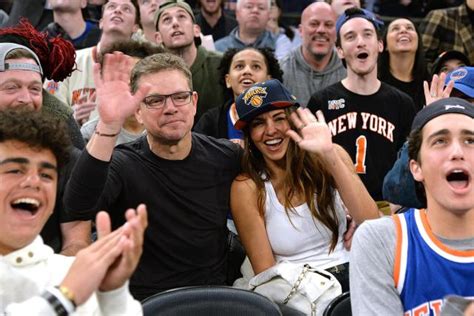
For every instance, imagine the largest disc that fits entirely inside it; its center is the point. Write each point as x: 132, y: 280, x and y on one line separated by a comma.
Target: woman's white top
x: 304, y: 239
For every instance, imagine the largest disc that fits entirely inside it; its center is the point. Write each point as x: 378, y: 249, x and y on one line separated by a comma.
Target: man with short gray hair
x: 252, y: 18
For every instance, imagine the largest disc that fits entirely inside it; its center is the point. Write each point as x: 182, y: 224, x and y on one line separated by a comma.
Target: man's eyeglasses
x: 157, y: 101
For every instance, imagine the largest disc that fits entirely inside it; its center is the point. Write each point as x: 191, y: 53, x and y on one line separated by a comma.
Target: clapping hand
x: 110, y: 261
x: 123, y: 267
x: 314, y: 134
x: 91, y: 264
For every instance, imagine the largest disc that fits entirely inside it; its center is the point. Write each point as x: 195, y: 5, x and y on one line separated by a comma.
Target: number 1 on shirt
x: 361, y: 146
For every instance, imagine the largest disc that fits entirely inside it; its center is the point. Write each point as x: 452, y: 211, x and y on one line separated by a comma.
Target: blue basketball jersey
x: 425, y: 270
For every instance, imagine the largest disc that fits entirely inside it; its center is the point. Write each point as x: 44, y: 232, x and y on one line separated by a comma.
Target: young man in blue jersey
x: 407, y: 264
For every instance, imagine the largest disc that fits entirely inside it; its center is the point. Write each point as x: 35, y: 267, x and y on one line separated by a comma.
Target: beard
x: 211, y: 12
x: 318, y: 53
x: 319, y: 56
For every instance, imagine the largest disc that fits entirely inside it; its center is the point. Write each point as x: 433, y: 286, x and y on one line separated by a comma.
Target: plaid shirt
x: 447, y: 29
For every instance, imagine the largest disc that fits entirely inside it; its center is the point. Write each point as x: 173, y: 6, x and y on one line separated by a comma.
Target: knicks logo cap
x: 260, y: 98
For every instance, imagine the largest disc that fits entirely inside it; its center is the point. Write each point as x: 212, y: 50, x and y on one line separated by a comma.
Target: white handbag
x: 298, y: 286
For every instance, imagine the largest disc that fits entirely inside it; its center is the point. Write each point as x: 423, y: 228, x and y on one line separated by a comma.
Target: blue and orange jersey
x: 426, y: 270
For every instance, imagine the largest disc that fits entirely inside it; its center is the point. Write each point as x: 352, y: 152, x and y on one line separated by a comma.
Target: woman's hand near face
x: 313, y: 133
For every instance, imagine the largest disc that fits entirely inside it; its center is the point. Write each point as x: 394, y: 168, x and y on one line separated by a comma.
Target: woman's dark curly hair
x: 273, y: 66
x: 36, y: 129
x: 57, y: 55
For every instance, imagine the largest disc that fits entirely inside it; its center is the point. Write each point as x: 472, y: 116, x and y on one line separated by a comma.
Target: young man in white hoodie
x: 34, y: 280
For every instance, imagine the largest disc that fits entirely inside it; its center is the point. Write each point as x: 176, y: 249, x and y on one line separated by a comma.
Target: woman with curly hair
x: 288, y: 203
x: 240, y: 69
x: 402, y: 63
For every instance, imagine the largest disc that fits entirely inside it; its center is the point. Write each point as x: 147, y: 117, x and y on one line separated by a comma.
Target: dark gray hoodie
x: 303, y: 81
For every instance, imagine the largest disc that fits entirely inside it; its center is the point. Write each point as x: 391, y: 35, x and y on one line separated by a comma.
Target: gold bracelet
x: 67, y: 294
x: 105, y: 135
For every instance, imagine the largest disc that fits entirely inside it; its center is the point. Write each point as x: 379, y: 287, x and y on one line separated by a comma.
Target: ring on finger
x: 301, y: 127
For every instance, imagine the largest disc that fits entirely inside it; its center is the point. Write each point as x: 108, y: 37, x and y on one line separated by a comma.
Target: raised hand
x: 437, y: 91
x: 314, y: 134
x: 123, y: 267
x: 115, y: 100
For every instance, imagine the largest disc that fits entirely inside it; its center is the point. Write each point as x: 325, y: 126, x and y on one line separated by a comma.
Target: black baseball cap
x: 447, y: 55
x: 441, y: 107
x: 351, y: 13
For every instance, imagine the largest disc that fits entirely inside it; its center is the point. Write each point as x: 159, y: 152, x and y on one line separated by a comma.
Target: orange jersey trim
x: 398, y: 249
x: 439, y: 244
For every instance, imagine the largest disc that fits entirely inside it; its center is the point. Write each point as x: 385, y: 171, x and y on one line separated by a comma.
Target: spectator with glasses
x: 158, y: 101
x: 183, y: 177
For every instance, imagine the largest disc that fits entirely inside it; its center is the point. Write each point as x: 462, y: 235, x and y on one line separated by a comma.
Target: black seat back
x: 209, y: 301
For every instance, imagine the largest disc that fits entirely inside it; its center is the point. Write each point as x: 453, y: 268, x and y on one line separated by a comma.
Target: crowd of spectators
x: 300, y: 121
